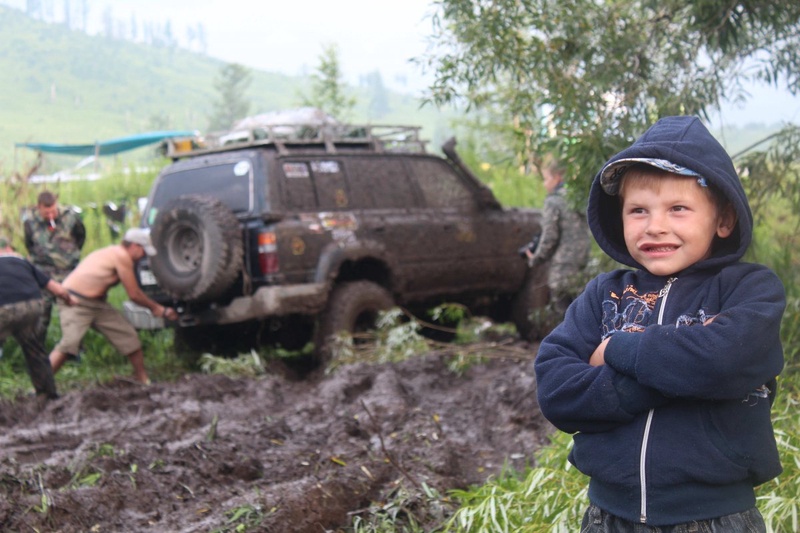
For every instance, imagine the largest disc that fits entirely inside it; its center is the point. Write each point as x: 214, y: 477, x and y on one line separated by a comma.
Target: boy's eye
x: 679, y: 208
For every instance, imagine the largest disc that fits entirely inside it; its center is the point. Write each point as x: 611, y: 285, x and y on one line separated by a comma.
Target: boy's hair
x: 554, y: 164
x: 648, y: 174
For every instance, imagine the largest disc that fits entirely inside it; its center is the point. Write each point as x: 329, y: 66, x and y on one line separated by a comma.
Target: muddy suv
x: 294, y: 235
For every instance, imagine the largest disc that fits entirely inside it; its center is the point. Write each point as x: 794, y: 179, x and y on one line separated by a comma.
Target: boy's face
x: 670, y: 222
x: 551, y: 180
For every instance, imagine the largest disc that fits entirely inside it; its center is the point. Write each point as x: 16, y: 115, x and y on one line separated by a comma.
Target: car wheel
x: 199, y: 248
x: 353, y: 307
x: 529, y: 308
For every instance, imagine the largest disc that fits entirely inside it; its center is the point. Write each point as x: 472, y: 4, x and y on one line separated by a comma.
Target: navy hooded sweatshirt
x: 676, y: 425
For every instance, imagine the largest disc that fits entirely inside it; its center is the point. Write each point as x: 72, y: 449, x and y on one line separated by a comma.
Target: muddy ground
x: 282, y: 452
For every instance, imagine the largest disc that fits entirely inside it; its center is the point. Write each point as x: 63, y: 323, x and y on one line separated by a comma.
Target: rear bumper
x: 303, y: 299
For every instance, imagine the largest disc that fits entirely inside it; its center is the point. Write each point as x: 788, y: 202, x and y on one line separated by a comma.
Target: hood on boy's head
x: 681, y: 145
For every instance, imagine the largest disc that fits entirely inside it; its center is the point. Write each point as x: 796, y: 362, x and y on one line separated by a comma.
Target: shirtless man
x: 89, y: 283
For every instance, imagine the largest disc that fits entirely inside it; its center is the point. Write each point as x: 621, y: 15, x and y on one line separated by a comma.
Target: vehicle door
x: 466, y: 246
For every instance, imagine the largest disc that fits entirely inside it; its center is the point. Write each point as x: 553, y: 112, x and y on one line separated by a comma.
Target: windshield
x: 230, y: 182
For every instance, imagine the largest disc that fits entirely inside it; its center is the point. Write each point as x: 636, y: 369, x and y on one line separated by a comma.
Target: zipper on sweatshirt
x: 663, y: 293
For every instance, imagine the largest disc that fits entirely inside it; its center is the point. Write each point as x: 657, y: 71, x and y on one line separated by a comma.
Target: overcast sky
x: 289, y: 37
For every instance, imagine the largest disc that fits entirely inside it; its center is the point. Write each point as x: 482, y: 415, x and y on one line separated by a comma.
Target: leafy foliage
x: 584, y: 78
x: 550, y: 497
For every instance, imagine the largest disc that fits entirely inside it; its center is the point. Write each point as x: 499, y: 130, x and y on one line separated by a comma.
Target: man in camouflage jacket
x: 54, y: 238
x: 565, y: 241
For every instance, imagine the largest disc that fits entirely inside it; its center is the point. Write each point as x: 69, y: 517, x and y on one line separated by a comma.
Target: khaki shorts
x: 101, y: 316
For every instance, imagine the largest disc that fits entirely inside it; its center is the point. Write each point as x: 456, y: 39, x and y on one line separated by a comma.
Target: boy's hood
x: 682, y: 141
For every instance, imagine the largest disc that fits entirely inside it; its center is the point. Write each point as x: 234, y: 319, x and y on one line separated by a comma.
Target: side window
x: 379, y: 182
x: 297, y: 186
x: 332, y: 192
x: 440, y: 185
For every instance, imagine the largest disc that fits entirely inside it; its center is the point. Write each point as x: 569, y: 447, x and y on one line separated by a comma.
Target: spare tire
x: 199, y: 248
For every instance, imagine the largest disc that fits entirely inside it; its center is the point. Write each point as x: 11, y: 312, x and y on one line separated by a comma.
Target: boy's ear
x: 726, y: 222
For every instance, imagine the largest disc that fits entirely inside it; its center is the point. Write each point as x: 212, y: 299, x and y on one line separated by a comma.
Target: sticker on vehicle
x: 325, y: 167
x: 241, y: 168
x: 338, y: 221
x: 341, y: 198
x: 296, y: 170
x: 298, y: 246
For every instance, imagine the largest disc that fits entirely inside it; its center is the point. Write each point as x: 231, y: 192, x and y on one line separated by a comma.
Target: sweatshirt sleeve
x: 575, y: 396
x: 735, y: 354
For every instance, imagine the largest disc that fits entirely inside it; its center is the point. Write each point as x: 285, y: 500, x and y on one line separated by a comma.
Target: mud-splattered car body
x: 313, y: 229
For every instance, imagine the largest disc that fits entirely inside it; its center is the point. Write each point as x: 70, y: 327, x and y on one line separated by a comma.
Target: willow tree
x: 590, y: 75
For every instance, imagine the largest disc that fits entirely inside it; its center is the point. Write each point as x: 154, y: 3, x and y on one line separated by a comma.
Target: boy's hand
x: 598, y: 358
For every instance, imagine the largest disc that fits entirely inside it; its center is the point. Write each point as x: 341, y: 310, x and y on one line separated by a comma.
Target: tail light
x: 268, y: 253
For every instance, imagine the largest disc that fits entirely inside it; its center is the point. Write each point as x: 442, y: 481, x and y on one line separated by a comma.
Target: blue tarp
x: 110, y: 147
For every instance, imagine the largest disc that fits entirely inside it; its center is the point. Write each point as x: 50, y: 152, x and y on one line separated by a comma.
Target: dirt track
x: 288, y: 454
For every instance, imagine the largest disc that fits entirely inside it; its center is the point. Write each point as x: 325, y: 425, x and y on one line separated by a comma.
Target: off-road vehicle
x: 297, y: 233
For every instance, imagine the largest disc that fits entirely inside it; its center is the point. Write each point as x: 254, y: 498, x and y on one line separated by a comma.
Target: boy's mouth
x: 658, y: 248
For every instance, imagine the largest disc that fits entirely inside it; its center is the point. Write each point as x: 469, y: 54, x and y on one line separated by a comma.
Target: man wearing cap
x: 21, y: 305
x: 90, y: 282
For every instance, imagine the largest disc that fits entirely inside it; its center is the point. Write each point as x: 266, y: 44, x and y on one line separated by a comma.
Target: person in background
x: 665, y: 372
x: 54, y: 238
x: 21, y: 306
x: 89, y: 283
x: 565, y: 240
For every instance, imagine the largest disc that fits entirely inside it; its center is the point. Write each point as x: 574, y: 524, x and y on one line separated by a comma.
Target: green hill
x: 64, y: 86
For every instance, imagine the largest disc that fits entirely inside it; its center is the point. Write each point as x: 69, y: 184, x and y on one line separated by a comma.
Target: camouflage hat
x: 611, y: 174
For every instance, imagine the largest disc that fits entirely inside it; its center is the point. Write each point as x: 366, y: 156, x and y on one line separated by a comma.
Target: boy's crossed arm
x: 598, y: 357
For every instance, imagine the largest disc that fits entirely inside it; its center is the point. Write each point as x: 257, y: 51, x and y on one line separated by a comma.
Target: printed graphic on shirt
x: 629, y: 311
x: 699, y: 318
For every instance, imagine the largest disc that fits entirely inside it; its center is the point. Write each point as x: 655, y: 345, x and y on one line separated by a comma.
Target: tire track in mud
x: 303, y: 455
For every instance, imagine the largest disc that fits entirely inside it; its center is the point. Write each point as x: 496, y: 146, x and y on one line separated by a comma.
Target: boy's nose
x: 656, y: 224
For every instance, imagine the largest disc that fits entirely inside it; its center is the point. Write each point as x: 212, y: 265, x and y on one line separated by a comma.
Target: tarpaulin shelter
x: 109, y: 147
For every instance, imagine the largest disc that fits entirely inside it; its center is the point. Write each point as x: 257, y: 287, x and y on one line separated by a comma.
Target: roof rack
x: 378, y: 138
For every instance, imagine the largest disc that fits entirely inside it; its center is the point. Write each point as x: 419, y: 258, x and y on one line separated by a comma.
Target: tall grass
x: 550, y: 497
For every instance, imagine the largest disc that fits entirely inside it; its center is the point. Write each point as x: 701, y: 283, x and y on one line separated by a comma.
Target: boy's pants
x: 595, y: 520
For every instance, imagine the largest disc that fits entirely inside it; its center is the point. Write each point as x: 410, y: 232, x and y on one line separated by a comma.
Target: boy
x: 666, y: 373
x: 564, y: 240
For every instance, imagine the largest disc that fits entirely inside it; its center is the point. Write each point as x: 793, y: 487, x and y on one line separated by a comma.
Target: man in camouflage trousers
x: 21, y: 305
x: 54, y: 238
x: 565, y: 240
